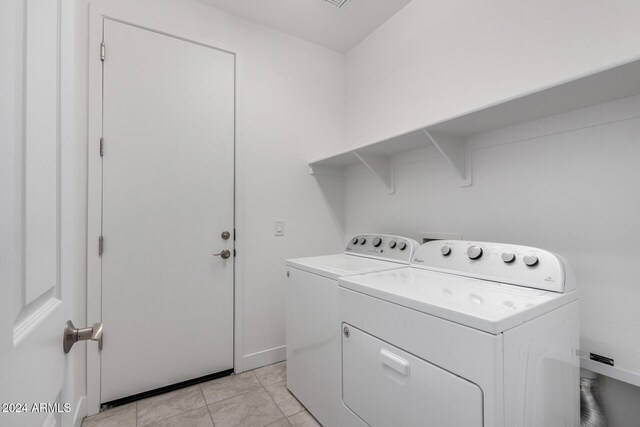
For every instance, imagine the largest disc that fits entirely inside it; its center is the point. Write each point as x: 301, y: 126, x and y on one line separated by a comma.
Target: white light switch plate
x: 279, y: 228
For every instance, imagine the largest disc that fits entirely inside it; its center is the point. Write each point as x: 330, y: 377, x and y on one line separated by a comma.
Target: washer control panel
x: 382, y: 246
x: 498, y: 262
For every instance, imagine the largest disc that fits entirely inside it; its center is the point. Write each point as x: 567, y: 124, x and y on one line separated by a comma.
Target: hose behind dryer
x: 592, y: 412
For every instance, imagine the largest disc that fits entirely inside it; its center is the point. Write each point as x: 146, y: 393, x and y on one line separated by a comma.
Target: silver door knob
x: 225, y: 235
x: 72, y: 335
x: 224, y: 254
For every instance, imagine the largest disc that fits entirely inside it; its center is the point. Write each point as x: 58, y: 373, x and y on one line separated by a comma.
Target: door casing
x: 131, y: 16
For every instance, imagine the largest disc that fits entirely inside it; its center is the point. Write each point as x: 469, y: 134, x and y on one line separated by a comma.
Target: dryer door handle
x: 395, y: 362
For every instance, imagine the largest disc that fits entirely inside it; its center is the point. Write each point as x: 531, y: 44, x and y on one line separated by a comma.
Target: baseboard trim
x: 81, y: 411
x: 264, y: 358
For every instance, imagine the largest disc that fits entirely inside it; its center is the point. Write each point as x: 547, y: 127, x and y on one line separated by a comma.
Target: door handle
x: 72, y: 335
x: 224, y: 254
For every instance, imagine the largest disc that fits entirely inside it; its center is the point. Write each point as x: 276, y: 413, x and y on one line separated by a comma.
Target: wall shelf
x: 449, y: 136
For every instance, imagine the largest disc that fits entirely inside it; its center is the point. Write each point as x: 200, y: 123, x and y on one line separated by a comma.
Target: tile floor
x: 256, y: 398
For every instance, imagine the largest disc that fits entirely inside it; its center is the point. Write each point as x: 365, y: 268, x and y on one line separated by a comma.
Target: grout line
x: 274, y: 402
x: 210, y: 415
x: 292, y: 396
x: 207, y: 405
x: 239, y: 394
x: 175, y: 415
x: 260, y: 381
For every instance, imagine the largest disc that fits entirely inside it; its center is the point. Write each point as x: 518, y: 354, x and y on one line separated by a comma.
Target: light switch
x: 279, y: 228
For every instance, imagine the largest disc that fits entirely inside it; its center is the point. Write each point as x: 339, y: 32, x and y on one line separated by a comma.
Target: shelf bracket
x: 380, y: 166
x: 454, y: 150
x: 324, y: 170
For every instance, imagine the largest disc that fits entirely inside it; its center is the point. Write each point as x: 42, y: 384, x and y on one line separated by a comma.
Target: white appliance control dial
x: 498, y: 262
x: 508, y: 257
x: 474, y: 252
x: 382, y: 246
x: 445, y: 250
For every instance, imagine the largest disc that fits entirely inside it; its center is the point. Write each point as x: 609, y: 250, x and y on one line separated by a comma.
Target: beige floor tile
x: 303, y: 419
x: 197, y: 418
x: 120, y: 416
x: 233, y: 385
x: 272, y: 374
x: 169, y: 404
x: 252, y: 409
x: 280, y: 423
x: 286, y: 401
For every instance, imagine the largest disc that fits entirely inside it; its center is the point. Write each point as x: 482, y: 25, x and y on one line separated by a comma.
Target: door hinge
x: 100, y: 245
x: 101, y: 147
x: 102, y: 51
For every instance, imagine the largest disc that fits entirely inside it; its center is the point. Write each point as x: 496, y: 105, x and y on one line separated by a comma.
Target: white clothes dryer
x: 313, y: 326
x: 471, y: 334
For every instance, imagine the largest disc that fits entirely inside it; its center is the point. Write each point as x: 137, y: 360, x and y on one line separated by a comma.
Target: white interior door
x: 168, y: 194
x: 36, y: 292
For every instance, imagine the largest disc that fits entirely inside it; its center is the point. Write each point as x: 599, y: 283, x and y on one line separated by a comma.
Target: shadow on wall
x: 333, y: 192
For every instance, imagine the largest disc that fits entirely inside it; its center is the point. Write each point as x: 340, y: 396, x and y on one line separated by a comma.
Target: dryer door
x: 386, y: 386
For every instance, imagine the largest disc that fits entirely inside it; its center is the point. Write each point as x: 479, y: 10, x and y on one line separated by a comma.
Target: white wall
x: 566, y: 183
x: 621, y: 402
x: 438, y: 58
x: 572, y: 191
x: 290, y: 102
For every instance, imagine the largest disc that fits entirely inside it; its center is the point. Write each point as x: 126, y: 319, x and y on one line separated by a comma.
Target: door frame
x: 129, y: 14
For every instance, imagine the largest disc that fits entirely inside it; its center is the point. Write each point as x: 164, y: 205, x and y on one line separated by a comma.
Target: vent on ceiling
x: 337, y: 3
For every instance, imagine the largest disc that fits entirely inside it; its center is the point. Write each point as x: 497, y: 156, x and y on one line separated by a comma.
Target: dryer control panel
x: 498, y: 262
x: 382, y: 246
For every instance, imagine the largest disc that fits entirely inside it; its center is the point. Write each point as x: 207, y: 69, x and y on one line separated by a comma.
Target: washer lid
x: 334, y: 266
x: 484, y: 305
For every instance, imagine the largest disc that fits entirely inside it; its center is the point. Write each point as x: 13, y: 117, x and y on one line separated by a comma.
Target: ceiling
x: 316, y: 20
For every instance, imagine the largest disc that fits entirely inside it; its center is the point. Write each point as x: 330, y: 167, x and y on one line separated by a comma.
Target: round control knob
x: 377, y: 242
x: 402, y: 246
x: 355, y: 241
x: 392, y: 244
x: 363, y: 241
x: 446, y: 250
x: 530, y: 260
x: 474, y: 252
x: 508, y: 257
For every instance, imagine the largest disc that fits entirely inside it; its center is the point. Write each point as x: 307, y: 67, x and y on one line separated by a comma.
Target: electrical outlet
x: 278, y: 228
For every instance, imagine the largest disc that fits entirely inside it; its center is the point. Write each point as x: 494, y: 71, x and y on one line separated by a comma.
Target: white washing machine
x: 471, y: 334
x: 313, y: 326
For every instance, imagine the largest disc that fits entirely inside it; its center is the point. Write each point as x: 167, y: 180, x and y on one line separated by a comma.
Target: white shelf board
x: 607, y: 85
x: 385, y: 148
x: 610, y: 371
